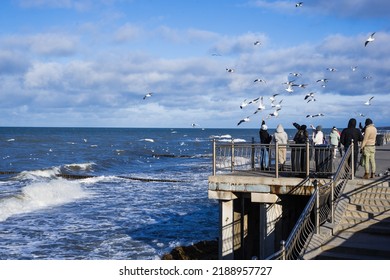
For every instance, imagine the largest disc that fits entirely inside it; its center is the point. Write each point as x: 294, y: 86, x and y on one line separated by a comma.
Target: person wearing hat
x: 334, y: 139
x: 265, y: 138
x: 368, y: 149
x: 318, y: 136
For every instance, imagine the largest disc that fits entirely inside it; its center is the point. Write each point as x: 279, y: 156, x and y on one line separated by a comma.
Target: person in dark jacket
x: 265, y: 138
x: 298, y: 154
x: 347, y: 135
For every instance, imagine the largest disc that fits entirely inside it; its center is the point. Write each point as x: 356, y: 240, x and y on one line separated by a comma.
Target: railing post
x: 214, y: 157
x: 277, y: 159
x: 317, y: 207
x: 352, y: 161
x: 332, y: 200
x: 253, y: 153
x: 307, y: 158
x: 283, y: 248
x: 232, y: 157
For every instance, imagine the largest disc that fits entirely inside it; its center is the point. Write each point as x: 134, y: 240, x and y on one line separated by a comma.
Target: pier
x: 313, y: 206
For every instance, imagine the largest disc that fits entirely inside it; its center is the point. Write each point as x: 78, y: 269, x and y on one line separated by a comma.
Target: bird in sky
x: 194, y: 124
x: 260, y: 81
x: 361, y: 115
x: 229, y: 70
x: 369, y: 39
x: 299, y: 4
x: 274, y: 114
x: 324, y: 81
x: 331, y: 69
x: 295, y: 74
x: 247, y: 119
x: 310, y: 97
x: 273, y: 105
x: 272, y: 98
x: 149, y: 94
x: 245, y: 103
x: 257, y: 43
x: 354, y: 68
x: 314, y: 116
x: 368, y: 102
x: 290, y: 85
x: 260, y: 107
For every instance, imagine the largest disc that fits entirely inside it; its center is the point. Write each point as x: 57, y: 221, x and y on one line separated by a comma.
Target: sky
x: 89, y: 63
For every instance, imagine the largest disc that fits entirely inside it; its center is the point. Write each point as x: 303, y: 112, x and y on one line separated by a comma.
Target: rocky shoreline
x: 203, y: 250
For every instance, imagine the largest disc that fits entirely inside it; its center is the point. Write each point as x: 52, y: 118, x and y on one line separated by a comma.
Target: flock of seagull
x: 276, y: 105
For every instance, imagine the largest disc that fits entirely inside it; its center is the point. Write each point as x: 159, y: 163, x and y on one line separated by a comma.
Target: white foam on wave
x: 147, y: 140
x: 238, y: 140
x: 41, y: 195
x: 39, y: 174
x: 80, y: 166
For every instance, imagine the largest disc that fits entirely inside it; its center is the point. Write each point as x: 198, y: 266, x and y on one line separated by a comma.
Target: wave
x: 147, y: 140
x: 41, y: 195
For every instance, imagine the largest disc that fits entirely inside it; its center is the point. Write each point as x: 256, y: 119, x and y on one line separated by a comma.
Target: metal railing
x: 291, y: 159
x: 318, y: 210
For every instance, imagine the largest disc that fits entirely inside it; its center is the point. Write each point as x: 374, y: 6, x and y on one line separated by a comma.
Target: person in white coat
x: 334, y: 139
x: 281, y: 137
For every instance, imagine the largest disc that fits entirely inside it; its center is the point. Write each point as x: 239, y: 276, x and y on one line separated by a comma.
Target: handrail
x: 319, y: 202
x: 301, y: 159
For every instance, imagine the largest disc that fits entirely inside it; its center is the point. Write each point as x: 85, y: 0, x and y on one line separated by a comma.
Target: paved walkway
x: 382, y: 159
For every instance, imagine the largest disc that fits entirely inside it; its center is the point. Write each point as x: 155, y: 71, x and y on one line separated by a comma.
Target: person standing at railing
x: 265, y: 138
x: 347, y: 135
x: 318, y: 136
x: 298, y: 157
x: 281, y: 137
x: 334, y: 139
x: 368, y: 149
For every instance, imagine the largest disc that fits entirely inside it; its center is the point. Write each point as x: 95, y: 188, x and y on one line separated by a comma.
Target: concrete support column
x: 226, y: 246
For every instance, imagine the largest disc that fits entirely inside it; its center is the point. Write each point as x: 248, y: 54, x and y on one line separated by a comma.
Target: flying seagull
x: 331, y: 69
x: 257, y: 43
x: 260, y: 107
x: 272, y: 98
x: 310, y: 96
x: 274, y: 114
x: 149, y: 94
x: 230, y: 70
x: 316, y: 115
x: 299, y: 4
x: 273, y: 105
x: 369, y: 39
x: 354, y: 68
x: 260, y: 81
x: 296, y: 74
x: 247, y: 119
x: 368, y: 102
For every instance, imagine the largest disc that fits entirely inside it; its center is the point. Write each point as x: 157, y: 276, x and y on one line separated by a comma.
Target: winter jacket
x: 334, y: 137
x: 280, y: 135
x: 351, y: 133
x: 369, y: 136
x: 302, y: 135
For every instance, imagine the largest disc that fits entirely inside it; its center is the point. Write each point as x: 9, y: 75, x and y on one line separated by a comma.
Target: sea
x: 107, y: 193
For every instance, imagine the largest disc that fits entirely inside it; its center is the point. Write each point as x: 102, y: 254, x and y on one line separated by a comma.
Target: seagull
x: 295, y: 74
x: 354, y: 68
x: 149, y: 94
x: 260, y: 107
x: 310, y: 96
x: 194, y: 124
x: 247, y: 119
x: 368, y: 102
x: 361, y: 115
x: 299, y: 4
x: 260, y: 81
x: 244, y: 103
x: 274, y: 114
x: 367, y: 77
x: 369, y: 39
x: 289, y: 84
x: 272, y: 98
x: 316, y: 115
x: 257, y: 43
x: 331, y: 69
x: 301, y: 85
x: 276, y: 105
x: 230, y: 70
x: 324, y: 81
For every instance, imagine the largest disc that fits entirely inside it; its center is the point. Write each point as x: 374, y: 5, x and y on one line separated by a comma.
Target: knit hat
x: 319, y: 128
x: 334, y: 128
